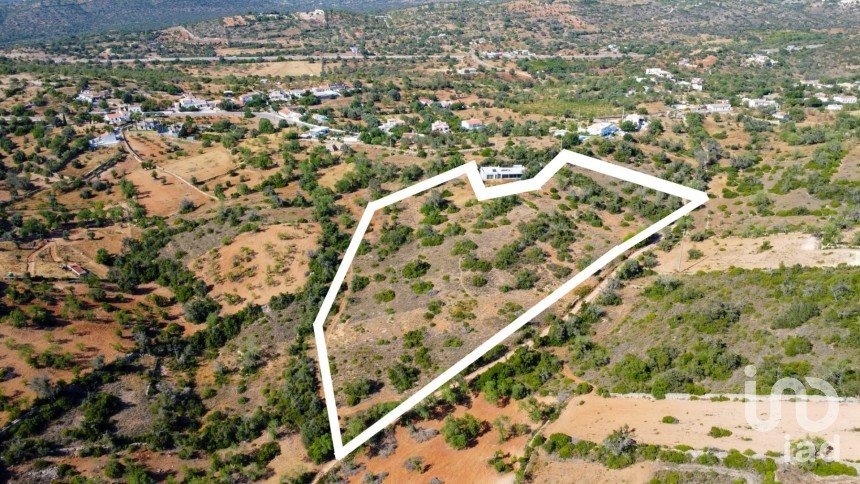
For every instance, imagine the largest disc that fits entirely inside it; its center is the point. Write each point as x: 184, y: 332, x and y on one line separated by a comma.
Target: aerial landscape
x: 199, y: 199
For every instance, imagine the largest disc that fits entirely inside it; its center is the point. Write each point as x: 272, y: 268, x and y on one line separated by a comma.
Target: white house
x: 602, y: 129
x: 191, y: 103
x: 134, y: 109
x: 761, y: 103
x: 843, y: 99
x: 107, y: 139
x: 289, y: 114
x: 320, y: 118
x: 697, y: 83
x: 440, y: 127
x: 501, y: 172
x: 657, y: 72
x: 89, y: 96
x: 467, y: 71
x: 390, y: 124
x: 278, y: 95
x: 719, y: 107
x: 834, y: 107
x: 315, y: 133
x: 760, y: 59
x: 472, y: 124
x: 324, y: 93
x: 637, y: 120
x: 118, y: 117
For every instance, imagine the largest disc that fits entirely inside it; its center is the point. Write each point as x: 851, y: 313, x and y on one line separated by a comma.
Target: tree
x: 265, y: 126
x: 198, y: 309
x: 461, y: 432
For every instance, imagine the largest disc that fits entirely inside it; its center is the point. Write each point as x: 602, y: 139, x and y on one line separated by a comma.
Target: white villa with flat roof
x: 501, y: 172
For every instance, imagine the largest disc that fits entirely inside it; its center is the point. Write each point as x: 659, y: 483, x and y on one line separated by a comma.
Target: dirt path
x: 755, y: 253
x: 158, y: 168
x: 593, y: 417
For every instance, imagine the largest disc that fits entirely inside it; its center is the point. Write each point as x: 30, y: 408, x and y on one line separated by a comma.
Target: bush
x: 796, y: 315
x: 718, y: 432
x: 668, y: 419
x: 384, y: 296
x: 359, y: 283
x: 461, y: 432
x: 797, y: 345
x: 403, y: 377
x: 415, y: 269
x: 198, y: 309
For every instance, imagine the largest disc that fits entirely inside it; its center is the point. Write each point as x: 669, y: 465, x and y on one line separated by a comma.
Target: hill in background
x: 33, y: 20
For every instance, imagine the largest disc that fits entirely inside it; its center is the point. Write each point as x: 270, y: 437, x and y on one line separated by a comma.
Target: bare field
x: 258, y: 265
x: 751, y: 253
x: 445, y: 463
x: 593, y: 417
x: 212, y: 163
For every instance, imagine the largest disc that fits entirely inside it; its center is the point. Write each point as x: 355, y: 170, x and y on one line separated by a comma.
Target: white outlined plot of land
x: 693, y: 199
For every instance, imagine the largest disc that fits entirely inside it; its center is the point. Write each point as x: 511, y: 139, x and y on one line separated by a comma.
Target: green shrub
x: 461, y: 432
x: 384, y: 296
x: 718, y: 432
x: 415, y: 269
x: 797, y: 345
x: 668, y: 419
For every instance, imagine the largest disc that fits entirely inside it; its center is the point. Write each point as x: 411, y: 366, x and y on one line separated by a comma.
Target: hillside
x: 47, y: 19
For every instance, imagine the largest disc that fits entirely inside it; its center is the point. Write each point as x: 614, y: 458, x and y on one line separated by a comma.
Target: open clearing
x: 210, y: 164
x: 750, y: 253
x: 593, y: 417
x: 258, y: 265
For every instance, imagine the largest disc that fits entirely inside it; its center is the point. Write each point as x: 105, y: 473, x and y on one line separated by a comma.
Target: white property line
x: 694, y: 198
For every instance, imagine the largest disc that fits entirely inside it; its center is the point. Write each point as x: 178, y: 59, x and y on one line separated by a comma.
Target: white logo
x: 805, y: 450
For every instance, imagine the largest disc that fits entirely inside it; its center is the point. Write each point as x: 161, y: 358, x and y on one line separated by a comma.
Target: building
x: 637, y: 120
x: 501, y: 172
x: 320, y: 118
x: 315, y: 133
x: 472, y: 124
x: 834, y: 107
x: 697, y: 83
x: 77, y: 270
x: 289, y: 114
x: 390, y: 124
x: 89, y: 96
x: 440, y: 127
x: 324, y: 93
x: 719, y: 107
x: 277, y: 95
x: 843, y: 99
x: 191, y: 103
x: 657, y: 72
x: 425, y: 101
x: 467, y: 71
x: 107, y: 139
x: 761, y: 103
x: 761, y: 60
x: 602, y: 129
x: 118, y: 117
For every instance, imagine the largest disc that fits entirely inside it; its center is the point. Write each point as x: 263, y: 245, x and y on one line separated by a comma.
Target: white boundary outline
x: 694, y: 198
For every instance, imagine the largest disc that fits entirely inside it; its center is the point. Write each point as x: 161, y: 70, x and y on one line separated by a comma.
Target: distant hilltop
x: 42, y: 20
